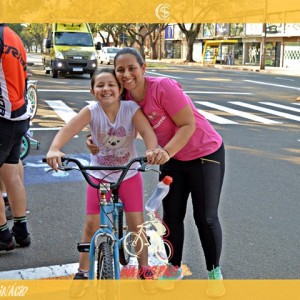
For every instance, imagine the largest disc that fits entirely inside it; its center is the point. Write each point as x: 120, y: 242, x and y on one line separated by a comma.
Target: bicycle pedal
x: 83, y: 247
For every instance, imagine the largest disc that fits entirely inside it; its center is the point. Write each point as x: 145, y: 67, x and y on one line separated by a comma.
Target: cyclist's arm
x: 145, y: 130
x: 73, y: 127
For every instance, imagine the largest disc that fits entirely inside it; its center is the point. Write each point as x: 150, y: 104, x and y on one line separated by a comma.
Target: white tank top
x: 116, y: 140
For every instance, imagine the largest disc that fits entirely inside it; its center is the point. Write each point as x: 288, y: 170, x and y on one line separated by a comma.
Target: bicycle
x: 160, y: 247
x: 32, y: 96
x: 27, y: 139
x: 107, y: 242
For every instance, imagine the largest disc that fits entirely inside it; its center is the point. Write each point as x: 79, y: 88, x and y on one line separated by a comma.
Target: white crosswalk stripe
x: 215, y: 118
x: 238, y: 113
x: 66, y: 113
x: 266, y: 110
x: 281, y: 106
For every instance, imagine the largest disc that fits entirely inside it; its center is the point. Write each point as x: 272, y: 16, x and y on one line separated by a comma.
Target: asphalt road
x: 259, y: 207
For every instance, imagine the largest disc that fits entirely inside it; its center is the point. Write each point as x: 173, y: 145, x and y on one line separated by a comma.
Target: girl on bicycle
x: 192, y: 154
x: 114, y: 125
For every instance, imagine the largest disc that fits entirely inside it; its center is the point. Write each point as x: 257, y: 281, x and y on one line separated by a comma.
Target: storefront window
x: 252, y: 53
x: 236, y: 29
x: 173, y: 49
x: 272, y: 54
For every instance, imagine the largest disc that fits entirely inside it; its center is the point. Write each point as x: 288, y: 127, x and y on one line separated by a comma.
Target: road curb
x: 41, y: 273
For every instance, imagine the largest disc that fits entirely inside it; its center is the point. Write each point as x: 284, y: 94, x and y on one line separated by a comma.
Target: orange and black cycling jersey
x: 13, y: 75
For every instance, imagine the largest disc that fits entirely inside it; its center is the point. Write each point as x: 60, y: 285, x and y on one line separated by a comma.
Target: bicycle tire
x: 33, y: 98
x: 124, y: 256
x: 25, y: 147
x: 105, y: 268
x: 130, y: 241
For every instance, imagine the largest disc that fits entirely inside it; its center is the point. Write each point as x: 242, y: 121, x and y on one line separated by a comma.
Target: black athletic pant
x: 203, y: 179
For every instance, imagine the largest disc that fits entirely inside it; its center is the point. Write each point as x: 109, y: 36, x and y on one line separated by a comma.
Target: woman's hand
x: 91, y: 146
x: 157, y: 156
x: 53, y: 158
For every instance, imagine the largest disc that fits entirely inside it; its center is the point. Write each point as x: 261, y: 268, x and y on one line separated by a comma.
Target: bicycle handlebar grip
x: 62, y: 159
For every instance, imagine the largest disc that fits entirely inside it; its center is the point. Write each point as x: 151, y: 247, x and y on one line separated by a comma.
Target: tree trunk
x: 189, y: 55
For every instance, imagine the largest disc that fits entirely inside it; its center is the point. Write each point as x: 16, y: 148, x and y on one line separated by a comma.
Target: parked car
x: 107, y: 54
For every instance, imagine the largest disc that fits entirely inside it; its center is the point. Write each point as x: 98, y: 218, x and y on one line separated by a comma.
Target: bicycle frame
x: 106, y: 230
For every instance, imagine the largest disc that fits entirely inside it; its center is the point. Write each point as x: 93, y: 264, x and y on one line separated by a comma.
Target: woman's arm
x: 185, y: 121
x: 73, y: 127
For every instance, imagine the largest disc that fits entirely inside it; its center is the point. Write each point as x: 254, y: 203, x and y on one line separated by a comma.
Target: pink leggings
x: 130, y: 191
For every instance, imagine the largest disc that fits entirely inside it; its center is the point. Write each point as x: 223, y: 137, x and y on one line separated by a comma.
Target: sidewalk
x: 248, y: 68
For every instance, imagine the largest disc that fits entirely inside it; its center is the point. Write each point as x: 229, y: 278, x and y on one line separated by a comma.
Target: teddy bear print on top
x: 114, y: 150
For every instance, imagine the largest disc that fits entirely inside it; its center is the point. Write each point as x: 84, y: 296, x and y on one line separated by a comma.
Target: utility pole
x: 263, y: 47
x: 159, y: 44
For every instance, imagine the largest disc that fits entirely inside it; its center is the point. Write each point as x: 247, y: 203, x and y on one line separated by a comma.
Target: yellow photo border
x: 154, y: 11
x: 157, y: 290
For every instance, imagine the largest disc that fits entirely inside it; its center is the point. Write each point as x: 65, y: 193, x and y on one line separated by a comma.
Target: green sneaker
x: 215, y: 274
x: 171, y: 273
x: 215, y: 283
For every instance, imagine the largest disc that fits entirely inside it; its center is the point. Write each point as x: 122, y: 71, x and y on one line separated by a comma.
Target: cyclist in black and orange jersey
x: 14, y: 122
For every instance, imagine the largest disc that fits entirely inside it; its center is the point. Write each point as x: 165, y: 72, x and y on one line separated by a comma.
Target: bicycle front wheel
x: 124, y: 255
x: 33, y: 98
x: 105, y: 268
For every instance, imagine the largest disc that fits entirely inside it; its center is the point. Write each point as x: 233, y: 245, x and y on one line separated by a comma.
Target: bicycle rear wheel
x: 124, y: 256
x: 105, y: 269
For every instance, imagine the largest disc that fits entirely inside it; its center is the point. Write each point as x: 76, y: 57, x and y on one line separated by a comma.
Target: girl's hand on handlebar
x: 91, y: 146
x: 157, y: 156
x: 54, y: 159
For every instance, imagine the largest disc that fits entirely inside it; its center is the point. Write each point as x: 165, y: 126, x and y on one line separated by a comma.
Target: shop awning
x: 219, y: 42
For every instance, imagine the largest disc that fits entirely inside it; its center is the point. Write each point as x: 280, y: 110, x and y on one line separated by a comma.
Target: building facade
x: 238, y: 43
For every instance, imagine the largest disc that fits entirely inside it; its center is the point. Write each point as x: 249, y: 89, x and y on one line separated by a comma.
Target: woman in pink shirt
x: 191, y: 152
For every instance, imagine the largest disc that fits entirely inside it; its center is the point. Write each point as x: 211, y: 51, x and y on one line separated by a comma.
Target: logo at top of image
x: 162, y: 11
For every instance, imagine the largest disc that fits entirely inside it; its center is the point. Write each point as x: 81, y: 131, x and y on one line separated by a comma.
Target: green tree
x: 16, y: 27
x: 39, y: 32
x: 139, y: 33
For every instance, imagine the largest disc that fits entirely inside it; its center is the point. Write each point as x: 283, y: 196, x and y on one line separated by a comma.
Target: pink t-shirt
x: 164, y: 98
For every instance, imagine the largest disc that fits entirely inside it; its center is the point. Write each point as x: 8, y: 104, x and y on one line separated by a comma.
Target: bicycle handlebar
x: 124, y: 169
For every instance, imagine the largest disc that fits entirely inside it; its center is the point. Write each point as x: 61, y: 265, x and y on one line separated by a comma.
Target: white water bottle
x: 159, y: 194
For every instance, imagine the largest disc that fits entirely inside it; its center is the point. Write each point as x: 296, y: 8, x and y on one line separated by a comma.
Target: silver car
x: 107, y: 55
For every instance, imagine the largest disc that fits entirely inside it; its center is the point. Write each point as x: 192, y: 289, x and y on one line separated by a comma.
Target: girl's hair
x: 103, y: 70
x: 131, y: 51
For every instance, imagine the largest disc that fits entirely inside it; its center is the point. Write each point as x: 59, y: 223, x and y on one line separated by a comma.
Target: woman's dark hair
x: 103, y: 70
x: 138, y: 57
x: 131, y: 51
